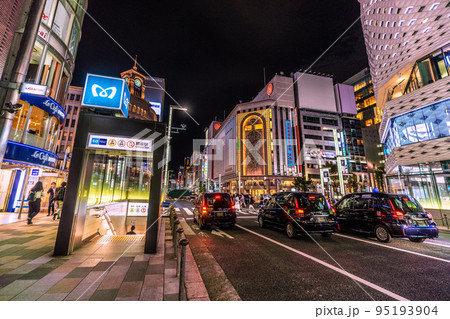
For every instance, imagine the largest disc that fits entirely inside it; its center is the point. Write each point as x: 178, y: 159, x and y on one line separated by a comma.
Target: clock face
x: 137, y: 82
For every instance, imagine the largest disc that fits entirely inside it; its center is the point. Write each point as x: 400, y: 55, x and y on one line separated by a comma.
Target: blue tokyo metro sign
x: 106, y: 93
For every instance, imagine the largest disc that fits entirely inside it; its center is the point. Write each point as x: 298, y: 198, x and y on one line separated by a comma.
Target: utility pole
x: 16, y: 68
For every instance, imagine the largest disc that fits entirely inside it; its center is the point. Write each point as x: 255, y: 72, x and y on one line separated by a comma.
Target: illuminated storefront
x: 31, y: 150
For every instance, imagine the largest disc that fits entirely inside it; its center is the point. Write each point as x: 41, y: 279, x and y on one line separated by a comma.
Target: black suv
x: 385, y: 216
x: 297, y: 212
x: 214, y: 208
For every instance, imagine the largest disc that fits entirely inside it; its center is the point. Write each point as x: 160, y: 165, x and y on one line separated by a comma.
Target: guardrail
x: 179, y: 243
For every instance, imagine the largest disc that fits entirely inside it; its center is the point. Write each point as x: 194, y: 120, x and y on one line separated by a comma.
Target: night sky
x: 212, y: 53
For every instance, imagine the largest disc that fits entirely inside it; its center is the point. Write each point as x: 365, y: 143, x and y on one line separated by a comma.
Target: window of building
x: 75, y: 111
x: 72, y: 97
x: 36, y: 127
x: 332, y: 122
x: 401, y: 22
x: 72, y: 124
x: 328, y: 138
x: 421, y: 8
x: 67, y: 123
x: 47, y: 13
x: 312, y: 127
x: 313, y: 137
x: 310, y: 119
x: 61, y: 22
x: 70, y: 137
x: 77, y: 97
x: 33, y: 67
x: 408, y: 10
x: 434, y: 6
x: 51, y: 73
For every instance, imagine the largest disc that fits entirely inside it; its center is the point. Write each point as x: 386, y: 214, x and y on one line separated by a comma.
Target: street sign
x: 119, y: 143
x: 106, y: 92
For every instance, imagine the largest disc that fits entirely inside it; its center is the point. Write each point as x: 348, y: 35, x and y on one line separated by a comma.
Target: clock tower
x: 139, y: 107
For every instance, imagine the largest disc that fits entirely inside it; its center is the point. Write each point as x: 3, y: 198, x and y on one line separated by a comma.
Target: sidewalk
x: 107, y: 268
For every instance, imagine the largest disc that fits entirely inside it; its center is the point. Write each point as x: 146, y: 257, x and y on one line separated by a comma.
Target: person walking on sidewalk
x: 59, y: 198
x: 51, y: 202
x: 34, y: 201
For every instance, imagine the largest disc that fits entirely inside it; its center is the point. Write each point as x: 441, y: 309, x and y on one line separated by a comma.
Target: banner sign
x: 119, y: 143
x: 106, y: 92
x: 289, y: 150
x: 47, y: 104
x: 137, y: 209
x: 22, y: 153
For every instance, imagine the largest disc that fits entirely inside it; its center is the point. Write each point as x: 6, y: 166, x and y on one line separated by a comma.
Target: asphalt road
x: 263, y: 264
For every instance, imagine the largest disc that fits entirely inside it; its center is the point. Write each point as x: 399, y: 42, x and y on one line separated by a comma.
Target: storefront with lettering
x: 31, y: 150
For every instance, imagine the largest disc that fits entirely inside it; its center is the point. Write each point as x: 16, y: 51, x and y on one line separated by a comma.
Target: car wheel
x: 327, y: 235
x: 290, y: 230
x: 417, y: 240
x: 382, y: 234
x: 261, y: 222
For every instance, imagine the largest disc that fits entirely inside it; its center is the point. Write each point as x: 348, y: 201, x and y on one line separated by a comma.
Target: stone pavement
x: 107, y: 268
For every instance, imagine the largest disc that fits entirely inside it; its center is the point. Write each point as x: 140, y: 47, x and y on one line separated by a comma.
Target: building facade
x: 408, y: 45
x: 33, y: 140
x: 370, y: 116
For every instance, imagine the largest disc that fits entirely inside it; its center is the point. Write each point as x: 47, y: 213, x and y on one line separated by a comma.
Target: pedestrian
x: 59, y: 198
x: 237, y: 204
x: 252, y: 201
x: 243, y: 201
x: 34, y: 201
x: 51, y: 202
x: 132, y: 231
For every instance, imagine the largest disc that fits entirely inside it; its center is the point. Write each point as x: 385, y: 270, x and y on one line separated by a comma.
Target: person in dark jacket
x: 51, y: 198
x: 34, y: 201
x: 59, y: 198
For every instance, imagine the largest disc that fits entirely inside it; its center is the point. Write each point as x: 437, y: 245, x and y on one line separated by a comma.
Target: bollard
x: 176, y: 223
x: 183, y: 242
x: 177, y: 247
x: 446, y: 221
x: 177, y: 238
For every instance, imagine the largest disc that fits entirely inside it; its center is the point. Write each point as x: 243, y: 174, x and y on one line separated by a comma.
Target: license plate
x: 321, y: 219
x: 421, y: 223
x: 219, y: 214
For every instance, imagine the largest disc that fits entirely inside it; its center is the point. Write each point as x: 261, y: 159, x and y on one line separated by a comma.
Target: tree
x: 302, y: 184
x: 201, y: 187
x: 353, y: 183
x: 333, y: 174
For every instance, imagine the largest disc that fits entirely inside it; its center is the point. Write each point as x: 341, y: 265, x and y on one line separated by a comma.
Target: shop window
x: 18, y: 126
x: 73, y: 43
x: 73, y: 123
x: 51, y: 73
x: 61, y: 22
x: 310, y: 119
x: 52, y: 136
x: 33, y: 67
x: 39, y: 119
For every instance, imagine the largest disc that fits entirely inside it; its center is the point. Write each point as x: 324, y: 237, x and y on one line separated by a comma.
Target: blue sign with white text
x: 106, y: 93
x: 45, y: 103
x: 289, y: 142
x: 27, y: 154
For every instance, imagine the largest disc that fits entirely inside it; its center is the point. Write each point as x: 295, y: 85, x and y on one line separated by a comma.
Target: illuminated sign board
x: 289, y: 148
x: 137, y: 209
x: 119, y: 143
x: 106, y: 92
x: 156, y: 107
x: 35, y: 89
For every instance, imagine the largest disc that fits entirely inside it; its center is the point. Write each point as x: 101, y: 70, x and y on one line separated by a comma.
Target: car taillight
x: 397, y: 214
x: 204, y: 210
x: 300, y: 212
x: 333, y: 211
x: 232, y: 207
x: 429, y: 216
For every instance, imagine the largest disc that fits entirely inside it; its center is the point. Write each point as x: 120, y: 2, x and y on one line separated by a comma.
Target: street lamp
x: 166, y: 165
x: 338, y: 158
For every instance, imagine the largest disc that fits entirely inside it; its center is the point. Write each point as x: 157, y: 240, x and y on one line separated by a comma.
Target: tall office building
x: 408, y: 48
x: 33, y: 139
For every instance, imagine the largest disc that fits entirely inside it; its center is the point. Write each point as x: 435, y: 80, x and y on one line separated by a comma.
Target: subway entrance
x: 114, y: 182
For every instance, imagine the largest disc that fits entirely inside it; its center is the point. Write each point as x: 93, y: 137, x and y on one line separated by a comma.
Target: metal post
x: 446, y: 221
x: 179, y: 234
x: 166, y: 160
x: 24, y: 192
x: 174, y: 229
x: 339, y: 164
x: 181, y: 292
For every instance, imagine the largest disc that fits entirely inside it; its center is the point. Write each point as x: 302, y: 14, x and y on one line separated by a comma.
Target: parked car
x: 385, y: 216
x: 297, y: 212
x: 193, y: 197
x: 214, y: 209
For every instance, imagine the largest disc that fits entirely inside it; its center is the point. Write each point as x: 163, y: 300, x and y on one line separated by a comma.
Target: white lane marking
x: 343, y: 272
x: 177, y: 209
x: 240, y: 217
x: 242, y: 212
x: 434, y: 243
x: 188, y: 211
x: 394, y: 248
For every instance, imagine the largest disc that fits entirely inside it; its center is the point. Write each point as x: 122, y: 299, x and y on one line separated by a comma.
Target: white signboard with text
x: 137, y: 209
x: 119, y: 143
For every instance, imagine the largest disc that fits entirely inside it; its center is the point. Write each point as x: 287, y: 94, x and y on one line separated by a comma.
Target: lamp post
x: 166, y: 164
x: 338, y: 158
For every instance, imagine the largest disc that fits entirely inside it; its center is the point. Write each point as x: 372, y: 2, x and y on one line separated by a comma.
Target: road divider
x: 339, y: 270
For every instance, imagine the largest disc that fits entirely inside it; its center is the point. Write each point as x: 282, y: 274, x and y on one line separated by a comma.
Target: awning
x: 45, y: 103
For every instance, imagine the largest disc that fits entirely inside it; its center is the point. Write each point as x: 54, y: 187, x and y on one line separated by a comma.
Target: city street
x: 264, y: 264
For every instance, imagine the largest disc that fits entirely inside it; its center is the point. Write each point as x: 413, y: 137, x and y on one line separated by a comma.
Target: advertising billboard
x: 106, y: 93
x: 289, y: 148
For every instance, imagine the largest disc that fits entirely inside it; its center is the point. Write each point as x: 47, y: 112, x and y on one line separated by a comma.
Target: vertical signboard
x: 289, y: 142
